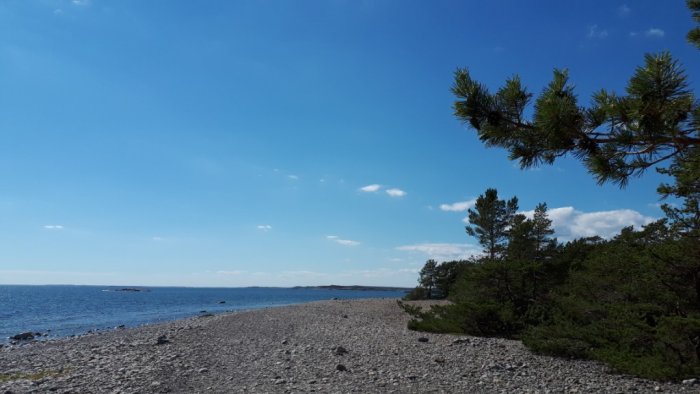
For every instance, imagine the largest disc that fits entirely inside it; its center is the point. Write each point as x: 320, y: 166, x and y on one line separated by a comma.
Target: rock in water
x: 25, y: 336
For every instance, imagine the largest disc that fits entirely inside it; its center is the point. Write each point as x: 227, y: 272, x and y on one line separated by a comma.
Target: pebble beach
x: 340, y: 346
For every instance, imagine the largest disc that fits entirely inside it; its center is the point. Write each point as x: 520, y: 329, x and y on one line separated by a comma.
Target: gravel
x: 327, y: 347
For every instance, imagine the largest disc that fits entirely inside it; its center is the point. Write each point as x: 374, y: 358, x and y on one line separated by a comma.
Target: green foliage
x: 417, y: 293
x: 489, y: 221
x: 618, y: 136
x: 632, y: 302
x: 428, y: 277
x: 630, y: 306
x: 694, y: 34
x: 437, y: 280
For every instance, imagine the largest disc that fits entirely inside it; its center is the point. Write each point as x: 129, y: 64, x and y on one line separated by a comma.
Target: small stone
x: 339, y: 351
x: 439, y: 359
x: 340, y: 367
x: 345, y: 316
x: 284, y: 342
x: 155, y: 384
x: 422, y: 339
x: 690, y: 381
x: 657, y: 388
x: 162, y: 340
x: 203, y: 370
x: 280, y: 381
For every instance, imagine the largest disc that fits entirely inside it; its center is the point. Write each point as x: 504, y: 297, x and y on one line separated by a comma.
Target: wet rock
x: 341, y: 368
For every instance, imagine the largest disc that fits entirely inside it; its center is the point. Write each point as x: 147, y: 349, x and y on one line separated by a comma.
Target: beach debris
x: 284, y: 342
x: 422, y: 339
x: 162, y: 340
x: 25, y: 336
x: 341, y: 368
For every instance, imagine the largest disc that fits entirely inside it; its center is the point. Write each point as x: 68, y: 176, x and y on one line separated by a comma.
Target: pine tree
x: 694, y: 34
x: 428, y: 276
x: 490, y: 220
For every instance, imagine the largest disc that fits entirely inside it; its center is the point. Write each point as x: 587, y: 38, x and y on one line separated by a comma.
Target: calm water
x: 68, y: 310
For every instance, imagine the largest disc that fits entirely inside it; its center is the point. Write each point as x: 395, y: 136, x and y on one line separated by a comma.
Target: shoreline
x: 320, y: 346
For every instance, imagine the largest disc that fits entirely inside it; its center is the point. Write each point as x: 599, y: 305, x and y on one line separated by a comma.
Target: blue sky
x: 236, y: 143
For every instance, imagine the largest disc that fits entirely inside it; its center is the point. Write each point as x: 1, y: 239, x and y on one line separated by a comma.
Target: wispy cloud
x: 293, y: 177
x: 264, y: 227
x: 395, y: 192
x: 157, y: 239
x: 232, y: 273
x: 570, y: 223
x: 461, y: 206
x: 373, y: 188
x: 443, y: 251
x: 595, y: 32
x: 53, y: 227
x: 655, y: 33
x: 344, y: 242
x: 624, y: 10
x: 81, y: 2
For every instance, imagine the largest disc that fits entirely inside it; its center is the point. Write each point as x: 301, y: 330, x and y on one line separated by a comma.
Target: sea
x: 58, y: 311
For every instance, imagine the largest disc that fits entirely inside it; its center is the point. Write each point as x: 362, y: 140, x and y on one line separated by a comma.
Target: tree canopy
x: 618, y: 136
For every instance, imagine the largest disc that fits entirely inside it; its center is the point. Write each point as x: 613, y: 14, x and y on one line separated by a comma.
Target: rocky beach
x: 335, y: 346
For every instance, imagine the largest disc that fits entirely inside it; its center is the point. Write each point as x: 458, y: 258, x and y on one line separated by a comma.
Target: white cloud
x: 344, y: 242
x: 81, y: 2
x: 57, y: 11
x: 293, y: 177
x: 395, y: 192
x: 595, y: 32
x: 570, y: 223
x: 264, y: 227
x: 371, y: 188
x: 53, y: 227
x: 443, y: 251
x: 460, y: 206
x: 157, y: 239
x: 633, y: 34
x: 654, y: 33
